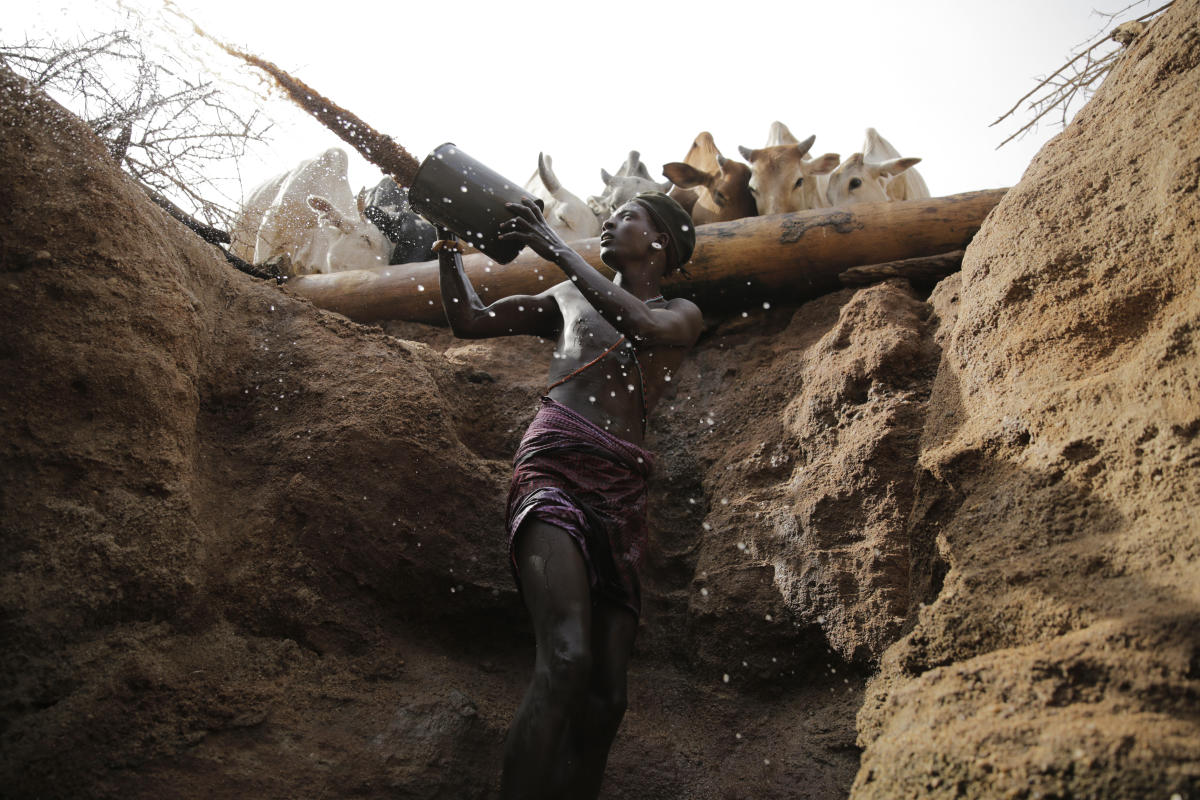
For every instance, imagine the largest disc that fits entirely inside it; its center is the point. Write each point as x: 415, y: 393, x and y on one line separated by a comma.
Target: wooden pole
x: 736, y: 264
x: 926, y: 268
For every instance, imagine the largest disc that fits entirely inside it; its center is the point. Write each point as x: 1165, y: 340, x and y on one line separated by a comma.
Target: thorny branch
x: 164, y: 128
x: 1077, y: 79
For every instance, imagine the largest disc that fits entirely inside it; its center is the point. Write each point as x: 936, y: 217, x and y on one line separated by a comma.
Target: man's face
x: 626, y: 235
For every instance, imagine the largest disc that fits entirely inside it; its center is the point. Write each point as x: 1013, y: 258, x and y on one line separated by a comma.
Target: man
x: 577, y: 506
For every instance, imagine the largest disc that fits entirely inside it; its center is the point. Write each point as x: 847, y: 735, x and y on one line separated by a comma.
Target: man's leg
x: 594, y: 727
x: 554, y: 583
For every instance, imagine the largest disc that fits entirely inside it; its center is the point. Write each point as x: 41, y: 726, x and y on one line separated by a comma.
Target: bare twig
x: 163, y: 126
x: 1075, y: 81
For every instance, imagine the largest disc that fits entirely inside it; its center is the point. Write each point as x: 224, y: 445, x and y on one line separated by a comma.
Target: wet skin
x: 558, y: 744
x: 587, y: 313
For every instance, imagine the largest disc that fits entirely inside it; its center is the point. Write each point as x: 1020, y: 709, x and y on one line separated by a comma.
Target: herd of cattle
x: 307, y: 221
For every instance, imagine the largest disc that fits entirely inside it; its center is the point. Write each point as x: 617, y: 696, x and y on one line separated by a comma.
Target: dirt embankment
x: 1059, y: 474
x: 251, y: 549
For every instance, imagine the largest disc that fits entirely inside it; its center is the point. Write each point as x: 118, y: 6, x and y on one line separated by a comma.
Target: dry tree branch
x: 164, y: 127
x: 1073, y: 81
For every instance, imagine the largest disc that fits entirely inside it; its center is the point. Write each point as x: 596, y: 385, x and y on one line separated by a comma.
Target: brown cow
x: 713, y: 188
x: 784, y: 178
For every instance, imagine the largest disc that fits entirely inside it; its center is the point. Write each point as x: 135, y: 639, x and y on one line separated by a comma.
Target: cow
x: 244, y: 235
x: 631, y: 179
x: 312, y: 221
x: 876, y: 175
x: 783, y: 176
x: 713, y: 188
x: 566, y: 213
x: 386, y: 206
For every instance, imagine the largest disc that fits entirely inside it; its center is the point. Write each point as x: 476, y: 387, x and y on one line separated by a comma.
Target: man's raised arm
x: 469, y: 318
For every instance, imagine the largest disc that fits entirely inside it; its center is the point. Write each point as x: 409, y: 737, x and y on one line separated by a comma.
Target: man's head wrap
x: 670, y: 218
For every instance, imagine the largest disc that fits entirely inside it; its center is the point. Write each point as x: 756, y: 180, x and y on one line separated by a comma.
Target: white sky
x: 586, y: 84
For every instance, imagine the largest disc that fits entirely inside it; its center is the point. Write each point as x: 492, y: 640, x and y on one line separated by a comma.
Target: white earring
x: 656, y: 245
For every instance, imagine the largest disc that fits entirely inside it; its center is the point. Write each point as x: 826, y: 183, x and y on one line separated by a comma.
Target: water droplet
x: 592, y: 398
x: 684, y: 228
x: 741, y: 546
x: 491, y: 313
x: 667, y: 378
x: 272, y: 308
x: 725, y: 677
x: 420, y: 288
x: 463, y: 189
x: 704, y: 592
x: 766, y: 305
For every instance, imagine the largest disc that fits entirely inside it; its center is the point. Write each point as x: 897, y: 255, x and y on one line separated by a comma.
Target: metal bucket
x: 456, y: 192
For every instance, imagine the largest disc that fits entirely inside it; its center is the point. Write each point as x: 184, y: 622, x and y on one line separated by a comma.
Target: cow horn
x: 546, y: 172
x: 746, y: 152
x: 604, y: 176
x: 807, y: 144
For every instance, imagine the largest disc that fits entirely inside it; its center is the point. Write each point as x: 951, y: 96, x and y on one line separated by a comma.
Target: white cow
x: 572, y: 218
x: 876, y: 175
x: 783, y: 176
x: 631, y: 179
x: 312, y: 219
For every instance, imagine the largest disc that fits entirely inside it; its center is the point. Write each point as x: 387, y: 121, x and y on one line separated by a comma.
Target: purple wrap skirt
x: 571, y: 473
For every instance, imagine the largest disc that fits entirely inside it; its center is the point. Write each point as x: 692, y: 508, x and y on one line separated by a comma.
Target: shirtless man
x: 577, y: 505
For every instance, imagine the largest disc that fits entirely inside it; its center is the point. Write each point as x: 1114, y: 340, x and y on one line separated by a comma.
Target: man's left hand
x: 530, y: 227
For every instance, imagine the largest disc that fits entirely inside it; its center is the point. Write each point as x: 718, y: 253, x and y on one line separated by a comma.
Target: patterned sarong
x: 572, y: 474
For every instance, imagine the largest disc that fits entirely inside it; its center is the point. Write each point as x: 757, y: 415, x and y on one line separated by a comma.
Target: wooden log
x: 736, y: 264
x: 927, y: 268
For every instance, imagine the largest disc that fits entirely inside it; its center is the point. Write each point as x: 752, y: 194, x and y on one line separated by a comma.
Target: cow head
x: 631, y: 179
x: 862, y: 181
x: 346, y: 242
x: 722, y: 189
x: 386, y: 206
x: 784, y: 179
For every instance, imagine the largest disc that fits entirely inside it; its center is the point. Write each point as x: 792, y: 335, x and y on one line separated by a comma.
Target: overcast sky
x: 586, y: 84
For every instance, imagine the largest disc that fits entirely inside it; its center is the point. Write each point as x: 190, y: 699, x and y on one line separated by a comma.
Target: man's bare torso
x: 608, y: 393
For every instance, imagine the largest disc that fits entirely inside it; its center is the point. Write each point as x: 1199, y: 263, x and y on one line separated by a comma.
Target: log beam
x: 927, y: 269
x: 793, y: 256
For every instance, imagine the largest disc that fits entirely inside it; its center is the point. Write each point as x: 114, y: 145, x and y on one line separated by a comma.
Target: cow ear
x: 746, y: 152
x: 319, y: 204
x: 824, y: 164
x: 604, y: 176
x: 685, y: 176
x: 807, y: 144
x: 894, y: 166
x: 855, y: 160
x: 327, y: 213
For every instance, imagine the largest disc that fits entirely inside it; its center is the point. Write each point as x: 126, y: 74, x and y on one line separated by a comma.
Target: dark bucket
x: 455, y: 191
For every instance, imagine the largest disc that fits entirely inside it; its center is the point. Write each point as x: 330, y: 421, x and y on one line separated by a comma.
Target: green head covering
x: 670, y: 218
